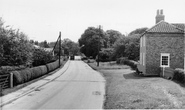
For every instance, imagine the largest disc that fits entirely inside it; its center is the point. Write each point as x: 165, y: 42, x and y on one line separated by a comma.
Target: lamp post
x: 99, y: 44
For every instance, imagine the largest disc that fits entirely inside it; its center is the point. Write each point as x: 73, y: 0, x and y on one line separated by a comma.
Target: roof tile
x: 164, y: 27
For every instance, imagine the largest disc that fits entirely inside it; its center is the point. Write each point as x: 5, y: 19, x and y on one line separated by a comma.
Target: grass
x: 126, y: 90
x: 15, y: 88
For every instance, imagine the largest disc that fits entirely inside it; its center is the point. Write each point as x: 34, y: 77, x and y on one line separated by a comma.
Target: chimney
x: 159, y: 17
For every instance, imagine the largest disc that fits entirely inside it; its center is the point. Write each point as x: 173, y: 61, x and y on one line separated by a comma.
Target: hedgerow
x: 179, y: 75
x: 28, y: 74
x: 126, y: 61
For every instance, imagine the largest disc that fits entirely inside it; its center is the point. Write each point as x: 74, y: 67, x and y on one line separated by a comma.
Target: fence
x: 6, y: 81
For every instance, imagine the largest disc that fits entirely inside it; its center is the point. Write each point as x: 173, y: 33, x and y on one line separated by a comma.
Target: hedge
x: 126, y: 61
x: 179, y: 75
x: 52, y: 66
x: 26, y: 75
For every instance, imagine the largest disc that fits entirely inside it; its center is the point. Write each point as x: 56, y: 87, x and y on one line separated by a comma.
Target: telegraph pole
x: 99, y: 44
x: 59, y: 47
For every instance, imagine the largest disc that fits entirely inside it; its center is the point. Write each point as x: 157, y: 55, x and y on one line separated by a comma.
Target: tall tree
x: 138, y: 31
x: 113, y: 36
x: 70, y: 47
x: 44, y: 44
x: 15, y: 48
x: 92, y: 38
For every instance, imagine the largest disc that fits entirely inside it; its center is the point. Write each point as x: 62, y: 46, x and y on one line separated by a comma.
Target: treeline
x: 112, y: 44
x: 68, y: 46
x: 16, y: 49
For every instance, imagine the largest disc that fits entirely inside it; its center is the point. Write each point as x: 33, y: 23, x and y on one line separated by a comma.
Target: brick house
x: 162, y: 46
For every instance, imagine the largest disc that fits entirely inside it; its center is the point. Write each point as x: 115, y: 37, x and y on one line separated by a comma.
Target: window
x: 165, y: 60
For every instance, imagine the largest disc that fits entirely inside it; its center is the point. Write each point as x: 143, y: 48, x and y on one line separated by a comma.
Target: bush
x: 105, y: 54
x: 26, y: 75
x: 43, y: 69
x: 125, y: 61
x: 17, y: 78
x: 15, y: 48
x: 52, y: 66
x: 41, y: 57
x: 121, y: 60
x: 179, y: 75
x: 132, y: 64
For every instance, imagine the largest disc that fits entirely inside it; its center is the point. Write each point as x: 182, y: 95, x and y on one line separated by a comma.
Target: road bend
x: 80, y: 87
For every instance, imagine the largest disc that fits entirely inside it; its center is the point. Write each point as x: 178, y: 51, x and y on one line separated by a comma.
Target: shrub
x: 125, y: 61
x: 43, y: 69
x: 26, y: 75
x: 41, y: 57
x: 36, y: 72
x: 14, y: 47
x: 52, y: 66
x: 179, y: 75
x: 105, y: 54
x: 121, y: 60
x: 17, y: 78
x: 132, y: 64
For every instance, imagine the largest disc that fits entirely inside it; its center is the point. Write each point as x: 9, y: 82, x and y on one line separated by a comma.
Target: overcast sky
x: 43, y: 19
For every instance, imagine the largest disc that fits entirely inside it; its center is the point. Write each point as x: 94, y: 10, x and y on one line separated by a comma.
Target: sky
x: 44, y: 19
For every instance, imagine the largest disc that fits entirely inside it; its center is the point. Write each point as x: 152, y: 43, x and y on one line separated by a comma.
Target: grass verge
x: 126, y: 90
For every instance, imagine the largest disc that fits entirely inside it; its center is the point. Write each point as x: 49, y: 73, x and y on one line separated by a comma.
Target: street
x: 80, y: 87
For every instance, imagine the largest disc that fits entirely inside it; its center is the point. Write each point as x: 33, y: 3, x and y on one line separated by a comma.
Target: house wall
x: 142, y: 64
x: 164, y: 43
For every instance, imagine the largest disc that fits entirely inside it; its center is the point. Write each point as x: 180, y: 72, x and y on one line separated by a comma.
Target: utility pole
x: 59, y: 47
x: 99, y: 43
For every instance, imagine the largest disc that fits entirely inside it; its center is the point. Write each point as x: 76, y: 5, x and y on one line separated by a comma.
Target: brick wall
x: 164, y: 43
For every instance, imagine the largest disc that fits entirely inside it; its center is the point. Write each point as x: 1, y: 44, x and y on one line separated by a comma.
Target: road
x: 80, y: 87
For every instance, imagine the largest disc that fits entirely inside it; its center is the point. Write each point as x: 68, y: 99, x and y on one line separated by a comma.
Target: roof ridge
x: 165, y: 23
x: 154, y: 25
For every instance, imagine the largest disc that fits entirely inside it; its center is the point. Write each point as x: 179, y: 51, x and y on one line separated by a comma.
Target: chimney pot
x: 159, y: 17
x: 161, y: 12
x: 157, y: 12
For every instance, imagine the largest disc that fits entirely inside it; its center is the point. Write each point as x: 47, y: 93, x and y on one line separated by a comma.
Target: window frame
x: 165, y: 55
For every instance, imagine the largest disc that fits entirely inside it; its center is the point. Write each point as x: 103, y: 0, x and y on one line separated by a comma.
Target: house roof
x: 164, y: 27
x: 179, y: 25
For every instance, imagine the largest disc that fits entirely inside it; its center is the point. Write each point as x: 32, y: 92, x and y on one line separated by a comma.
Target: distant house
x: 162, y: 46
x: 46, y: 49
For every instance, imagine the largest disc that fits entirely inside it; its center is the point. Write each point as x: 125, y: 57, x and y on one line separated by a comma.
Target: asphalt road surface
x: 80, y: 87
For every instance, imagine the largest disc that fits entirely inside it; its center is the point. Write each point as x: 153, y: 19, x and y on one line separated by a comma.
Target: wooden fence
x: 6, y: 81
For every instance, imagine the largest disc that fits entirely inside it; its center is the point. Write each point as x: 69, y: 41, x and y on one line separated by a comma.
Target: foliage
x: 127, y: 47
x: 41, y: 57
x: 44, y: 44
x: 67, y: 47
x: 15, y: 48
x: 138, y: 31
x: 126, y: 61
x: 179, y: 75
x: 92, y: 38
x: 105, y: 54
x: 70, y: 47
x: 29, y: 74
x: 112, y: 36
